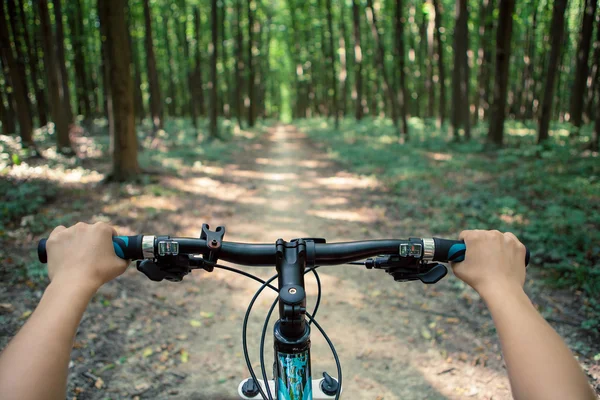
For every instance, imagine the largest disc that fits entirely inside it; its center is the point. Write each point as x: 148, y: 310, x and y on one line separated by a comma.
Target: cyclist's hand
x: 493, y: 261
x: 83, y: 255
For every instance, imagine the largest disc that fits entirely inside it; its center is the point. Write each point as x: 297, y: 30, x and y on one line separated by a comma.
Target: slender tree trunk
x: 358, y: 58
x: 399, y: 33
x: 138, y: 99
x: 55, y: 86
x: 440, y: 60
x: 252, y: 102
x: 592, y: 80
x: 82, y: 88
x: 460, y: 80
x: 32, y: 57
x: 380, y: 61
x: 503, y: 39
x: 125, y: 149
x: 430, y: 57
x: 581, y: 70
x: 185, y: 65
x: 557, y: 30
x: 7, y: 112
x: 198, y: 79
x: 61, y: 59
x: 19, y: 47
x: 334, y: 83
x: 526, y: 109
x: 156, y: 112
x: 172, y: 95
x: 239, y: 63
x: 484, y: 57
x: 225, y: 57
x: 213, y: 69
x: 343, y: 76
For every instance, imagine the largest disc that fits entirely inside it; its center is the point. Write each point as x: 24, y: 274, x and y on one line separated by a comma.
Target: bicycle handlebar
x: 140, y: 247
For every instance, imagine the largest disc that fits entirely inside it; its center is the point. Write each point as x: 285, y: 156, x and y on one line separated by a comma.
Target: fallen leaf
x: 99, y: 383
x: 26, y: 314
x: 184, y: 356
x: 181, y: 337
x: 425, y: 333
x: 195, y: 323
x: 6, y: 307
x: 148, y: 352
x: 452, y: 320
x: 205, y: 314
x: 164, y: 356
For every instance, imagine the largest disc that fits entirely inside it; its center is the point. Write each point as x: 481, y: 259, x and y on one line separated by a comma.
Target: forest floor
x: 147, y: 340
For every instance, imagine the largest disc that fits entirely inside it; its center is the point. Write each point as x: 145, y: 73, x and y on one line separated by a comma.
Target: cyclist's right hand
x: 494, y: 261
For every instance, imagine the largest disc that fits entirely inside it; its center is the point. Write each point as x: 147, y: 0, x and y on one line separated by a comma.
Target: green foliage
x: 548, y: 196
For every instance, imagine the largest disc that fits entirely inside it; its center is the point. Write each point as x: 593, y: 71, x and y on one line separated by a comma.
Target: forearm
x: 35, y: 363
x: 539, y: 364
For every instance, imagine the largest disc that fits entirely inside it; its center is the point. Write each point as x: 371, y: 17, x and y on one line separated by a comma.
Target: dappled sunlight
x: 439, y: 156
x: 208, y: 187
x: 520, y: 132
x: 348, y: 182
x: 331, y: 201
x: 362, y: 215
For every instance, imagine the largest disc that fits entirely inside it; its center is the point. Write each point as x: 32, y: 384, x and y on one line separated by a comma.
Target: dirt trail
x: 395, y: 341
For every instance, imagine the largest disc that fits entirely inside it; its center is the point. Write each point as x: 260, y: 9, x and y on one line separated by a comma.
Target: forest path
x: 395, y: 341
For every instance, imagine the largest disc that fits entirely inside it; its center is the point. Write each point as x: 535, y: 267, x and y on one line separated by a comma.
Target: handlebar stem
x: 290, y: 261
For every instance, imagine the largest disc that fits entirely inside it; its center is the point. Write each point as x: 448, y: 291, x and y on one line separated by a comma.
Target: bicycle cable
x: 245, y: 326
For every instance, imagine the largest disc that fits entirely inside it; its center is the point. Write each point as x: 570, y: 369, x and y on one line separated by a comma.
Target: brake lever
x: 431, y: 276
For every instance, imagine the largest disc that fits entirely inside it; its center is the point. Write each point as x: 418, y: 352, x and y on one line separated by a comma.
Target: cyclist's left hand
x: 83, y: 255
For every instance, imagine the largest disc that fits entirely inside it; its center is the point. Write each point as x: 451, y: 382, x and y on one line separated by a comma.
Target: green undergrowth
x: 548, y: 195
x: 28, y: 184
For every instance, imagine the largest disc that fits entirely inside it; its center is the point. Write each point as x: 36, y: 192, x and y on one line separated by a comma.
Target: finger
x: 57, y: 230
x: 463, y: 234
x: 512, y: 236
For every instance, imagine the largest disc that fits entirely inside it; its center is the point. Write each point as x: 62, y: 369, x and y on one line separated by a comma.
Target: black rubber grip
x: 454, y: 251
x: 126, y: 247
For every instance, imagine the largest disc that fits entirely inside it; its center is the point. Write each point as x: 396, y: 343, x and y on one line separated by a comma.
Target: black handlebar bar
x: 433, y: 249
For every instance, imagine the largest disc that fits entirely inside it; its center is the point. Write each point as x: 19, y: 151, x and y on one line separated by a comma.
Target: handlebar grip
x: 454, y: 251
x: 126, y: 247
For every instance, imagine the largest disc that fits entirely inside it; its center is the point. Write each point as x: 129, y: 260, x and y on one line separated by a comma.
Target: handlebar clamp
x: 214, y: 241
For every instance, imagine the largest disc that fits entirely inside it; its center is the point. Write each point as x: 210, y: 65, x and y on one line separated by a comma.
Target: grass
x: 548, y: 195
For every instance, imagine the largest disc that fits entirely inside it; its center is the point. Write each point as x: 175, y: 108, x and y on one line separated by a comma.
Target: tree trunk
x: 213, y: 69
x: 484, y: 57
x: 155, y: 100
x: 343, y: 77
x: 526, y: 109
x: 181, y: 32
x: 82, y: 87
x: 32, y: 56
x: 592, y: 80
x: 503, y: 38
x: 460, y: 79
x: 399, y: 33
x: 581, y: 69
x: 239, y: 63
x: 430, y: 55
x: 20, y: 47
x: 62, y: 64
x: 557, y: 32
x: 227, y: 96
x: 358, y: 58
x: 172, y: 95
x: 125, y: 162
x: 380, y: 61
x: 55, y: 85
x: 334, y: 83
x: 6, y: 112
x: 440, y: 60
x: 138, y: 99
x: 198, y: 81
x: 252, y: 103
